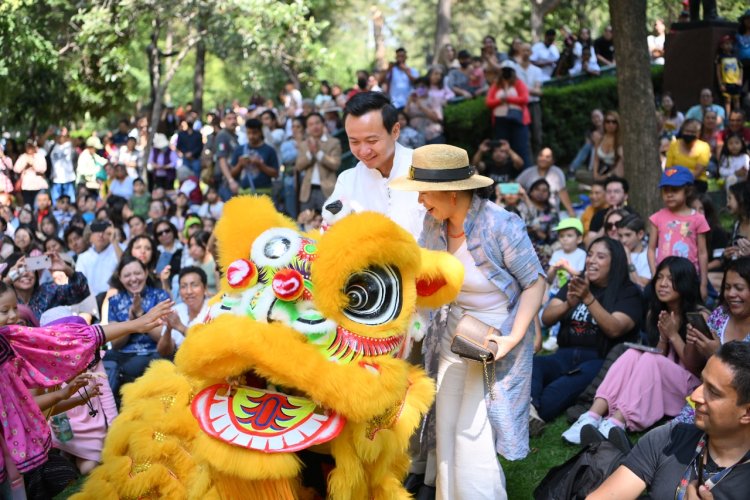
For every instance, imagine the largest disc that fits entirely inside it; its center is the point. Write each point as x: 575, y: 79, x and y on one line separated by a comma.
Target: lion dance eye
x: 275, y: 248
x: 374, y: 295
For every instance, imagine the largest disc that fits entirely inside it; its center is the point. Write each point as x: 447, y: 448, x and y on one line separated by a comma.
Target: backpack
x: 581, y: 474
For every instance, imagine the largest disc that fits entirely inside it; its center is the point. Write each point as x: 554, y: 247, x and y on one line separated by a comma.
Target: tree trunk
x: 443, y: 28
x: 539, y: 9
x: 377, y: 30
x: 154, y: 71
x: 636, y: 104
x: 199, y: 77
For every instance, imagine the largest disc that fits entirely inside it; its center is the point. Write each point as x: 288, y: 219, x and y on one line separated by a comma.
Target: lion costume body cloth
x: 301, y: 350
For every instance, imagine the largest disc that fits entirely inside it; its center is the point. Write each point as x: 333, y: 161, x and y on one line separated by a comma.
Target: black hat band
x: 444, y: 175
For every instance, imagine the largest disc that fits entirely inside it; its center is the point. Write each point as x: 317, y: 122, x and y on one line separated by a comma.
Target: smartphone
x: 641, y: 347
x: 164, y: 260
x: 509, y: 187
x: 698, y: 322
x: 38, y: 262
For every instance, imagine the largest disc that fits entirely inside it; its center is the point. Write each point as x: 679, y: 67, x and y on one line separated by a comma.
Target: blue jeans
x: 581, y: 157
x: 517, y: 136
x: 290, y: 196
x: 67, y: 188
x: 558, y: 379
x: 194, y: 165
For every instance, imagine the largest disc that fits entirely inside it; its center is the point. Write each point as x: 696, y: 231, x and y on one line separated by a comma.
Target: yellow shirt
x: 700, y: 154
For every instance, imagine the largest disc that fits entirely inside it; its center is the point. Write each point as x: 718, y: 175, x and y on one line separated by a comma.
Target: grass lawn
x: 547, y: 451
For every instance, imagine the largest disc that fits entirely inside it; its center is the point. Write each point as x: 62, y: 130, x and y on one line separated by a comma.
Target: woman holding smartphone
x: 40, y: 297
x: 731, y: 320
x: 641, y: 387
x: 596, y: 310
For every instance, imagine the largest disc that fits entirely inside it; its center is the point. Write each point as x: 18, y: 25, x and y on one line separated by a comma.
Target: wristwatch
x: 631, y: 268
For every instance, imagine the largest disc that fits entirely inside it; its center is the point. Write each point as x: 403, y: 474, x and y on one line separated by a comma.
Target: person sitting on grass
x: 596, y: 311
x: 705, y: 460
x: 641, y: 387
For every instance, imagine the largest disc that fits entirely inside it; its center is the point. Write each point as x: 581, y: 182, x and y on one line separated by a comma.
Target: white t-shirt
x: 531, y: 76
x: 576, y: 259
x: 61, y: 156
x: 98, y: 268
x: 366, y: 189
x: 122, y: 188
x: 593, y: 64
x: 182, y: 312
x: 540, y: 53
x: 214, y: 211
x: 640, y: 261
x: 555, y: 177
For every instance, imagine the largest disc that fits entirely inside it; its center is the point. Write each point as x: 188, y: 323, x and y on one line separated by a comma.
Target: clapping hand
x: 667, y: 325
x: 578, y: 291
x: 155, y: 317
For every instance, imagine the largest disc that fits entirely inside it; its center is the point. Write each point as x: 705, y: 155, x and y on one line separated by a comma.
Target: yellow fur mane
x: 157, y: 447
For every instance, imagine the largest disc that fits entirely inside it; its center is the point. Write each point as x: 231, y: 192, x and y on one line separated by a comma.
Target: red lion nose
x: 288, y: 284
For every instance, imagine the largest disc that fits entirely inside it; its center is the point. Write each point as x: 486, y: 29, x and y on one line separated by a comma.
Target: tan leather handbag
x: 475, y: 340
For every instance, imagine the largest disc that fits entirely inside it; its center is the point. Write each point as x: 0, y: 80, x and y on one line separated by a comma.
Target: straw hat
x: 439, y: 167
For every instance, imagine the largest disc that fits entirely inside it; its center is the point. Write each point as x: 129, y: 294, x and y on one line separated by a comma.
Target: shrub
x: 566, y: 111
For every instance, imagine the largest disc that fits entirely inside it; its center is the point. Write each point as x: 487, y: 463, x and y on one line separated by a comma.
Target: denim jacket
x: 499, y: 244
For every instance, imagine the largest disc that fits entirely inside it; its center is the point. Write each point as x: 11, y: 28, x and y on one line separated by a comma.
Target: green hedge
x: 566, y: 114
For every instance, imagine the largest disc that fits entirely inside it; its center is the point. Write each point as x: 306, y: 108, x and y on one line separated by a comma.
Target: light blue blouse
x: 500, y: 246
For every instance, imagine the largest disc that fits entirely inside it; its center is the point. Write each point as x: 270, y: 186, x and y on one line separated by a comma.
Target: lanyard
x: 697, y: 465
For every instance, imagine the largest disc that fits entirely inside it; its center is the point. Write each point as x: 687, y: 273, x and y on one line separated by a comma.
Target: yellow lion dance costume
x: 300, y: 350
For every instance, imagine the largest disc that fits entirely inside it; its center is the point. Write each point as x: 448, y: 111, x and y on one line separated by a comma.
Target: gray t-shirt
x: 555, y: 177
x: 662, y: 456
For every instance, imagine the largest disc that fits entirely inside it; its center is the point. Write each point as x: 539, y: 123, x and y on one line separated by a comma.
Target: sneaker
x: 619, y: 438
x: 590, y: 435
x: 550, y: 344
x: 573, y: 434
x: 606, y: 425
x: 536, y: 424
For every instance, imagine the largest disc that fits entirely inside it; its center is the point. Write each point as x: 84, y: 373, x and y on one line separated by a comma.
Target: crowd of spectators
x: 105, y: 228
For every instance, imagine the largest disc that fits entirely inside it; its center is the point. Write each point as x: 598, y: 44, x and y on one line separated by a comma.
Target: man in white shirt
x: 99, y: 262
x: 545, y: 55
x: 63, y: 169
x: 372, y: 126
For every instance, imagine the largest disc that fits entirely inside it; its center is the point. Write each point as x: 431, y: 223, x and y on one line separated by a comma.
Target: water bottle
x: 61, y: 426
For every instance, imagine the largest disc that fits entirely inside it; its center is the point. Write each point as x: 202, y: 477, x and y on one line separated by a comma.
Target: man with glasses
x: 706, y: 460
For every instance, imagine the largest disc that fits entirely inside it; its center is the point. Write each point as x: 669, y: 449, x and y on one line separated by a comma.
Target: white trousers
x: 467, y: 464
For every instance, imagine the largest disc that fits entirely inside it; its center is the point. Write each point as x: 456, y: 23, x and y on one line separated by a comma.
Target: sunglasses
x: 163, y: 232
x: 610, y: 121
x: 610, y: 226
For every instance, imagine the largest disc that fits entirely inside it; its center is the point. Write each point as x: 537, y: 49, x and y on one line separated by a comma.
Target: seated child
x: 568, y: 261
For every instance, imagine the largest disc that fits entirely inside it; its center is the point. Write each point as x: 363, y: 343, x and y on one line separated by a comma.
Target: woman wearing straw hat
x: 503, y: 287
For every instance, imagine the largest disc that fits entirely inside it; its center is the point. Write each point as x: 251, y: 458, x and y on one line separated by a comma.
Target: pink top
x: 677, y: 235
x: 32, y: 169
x: 34, y: 358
